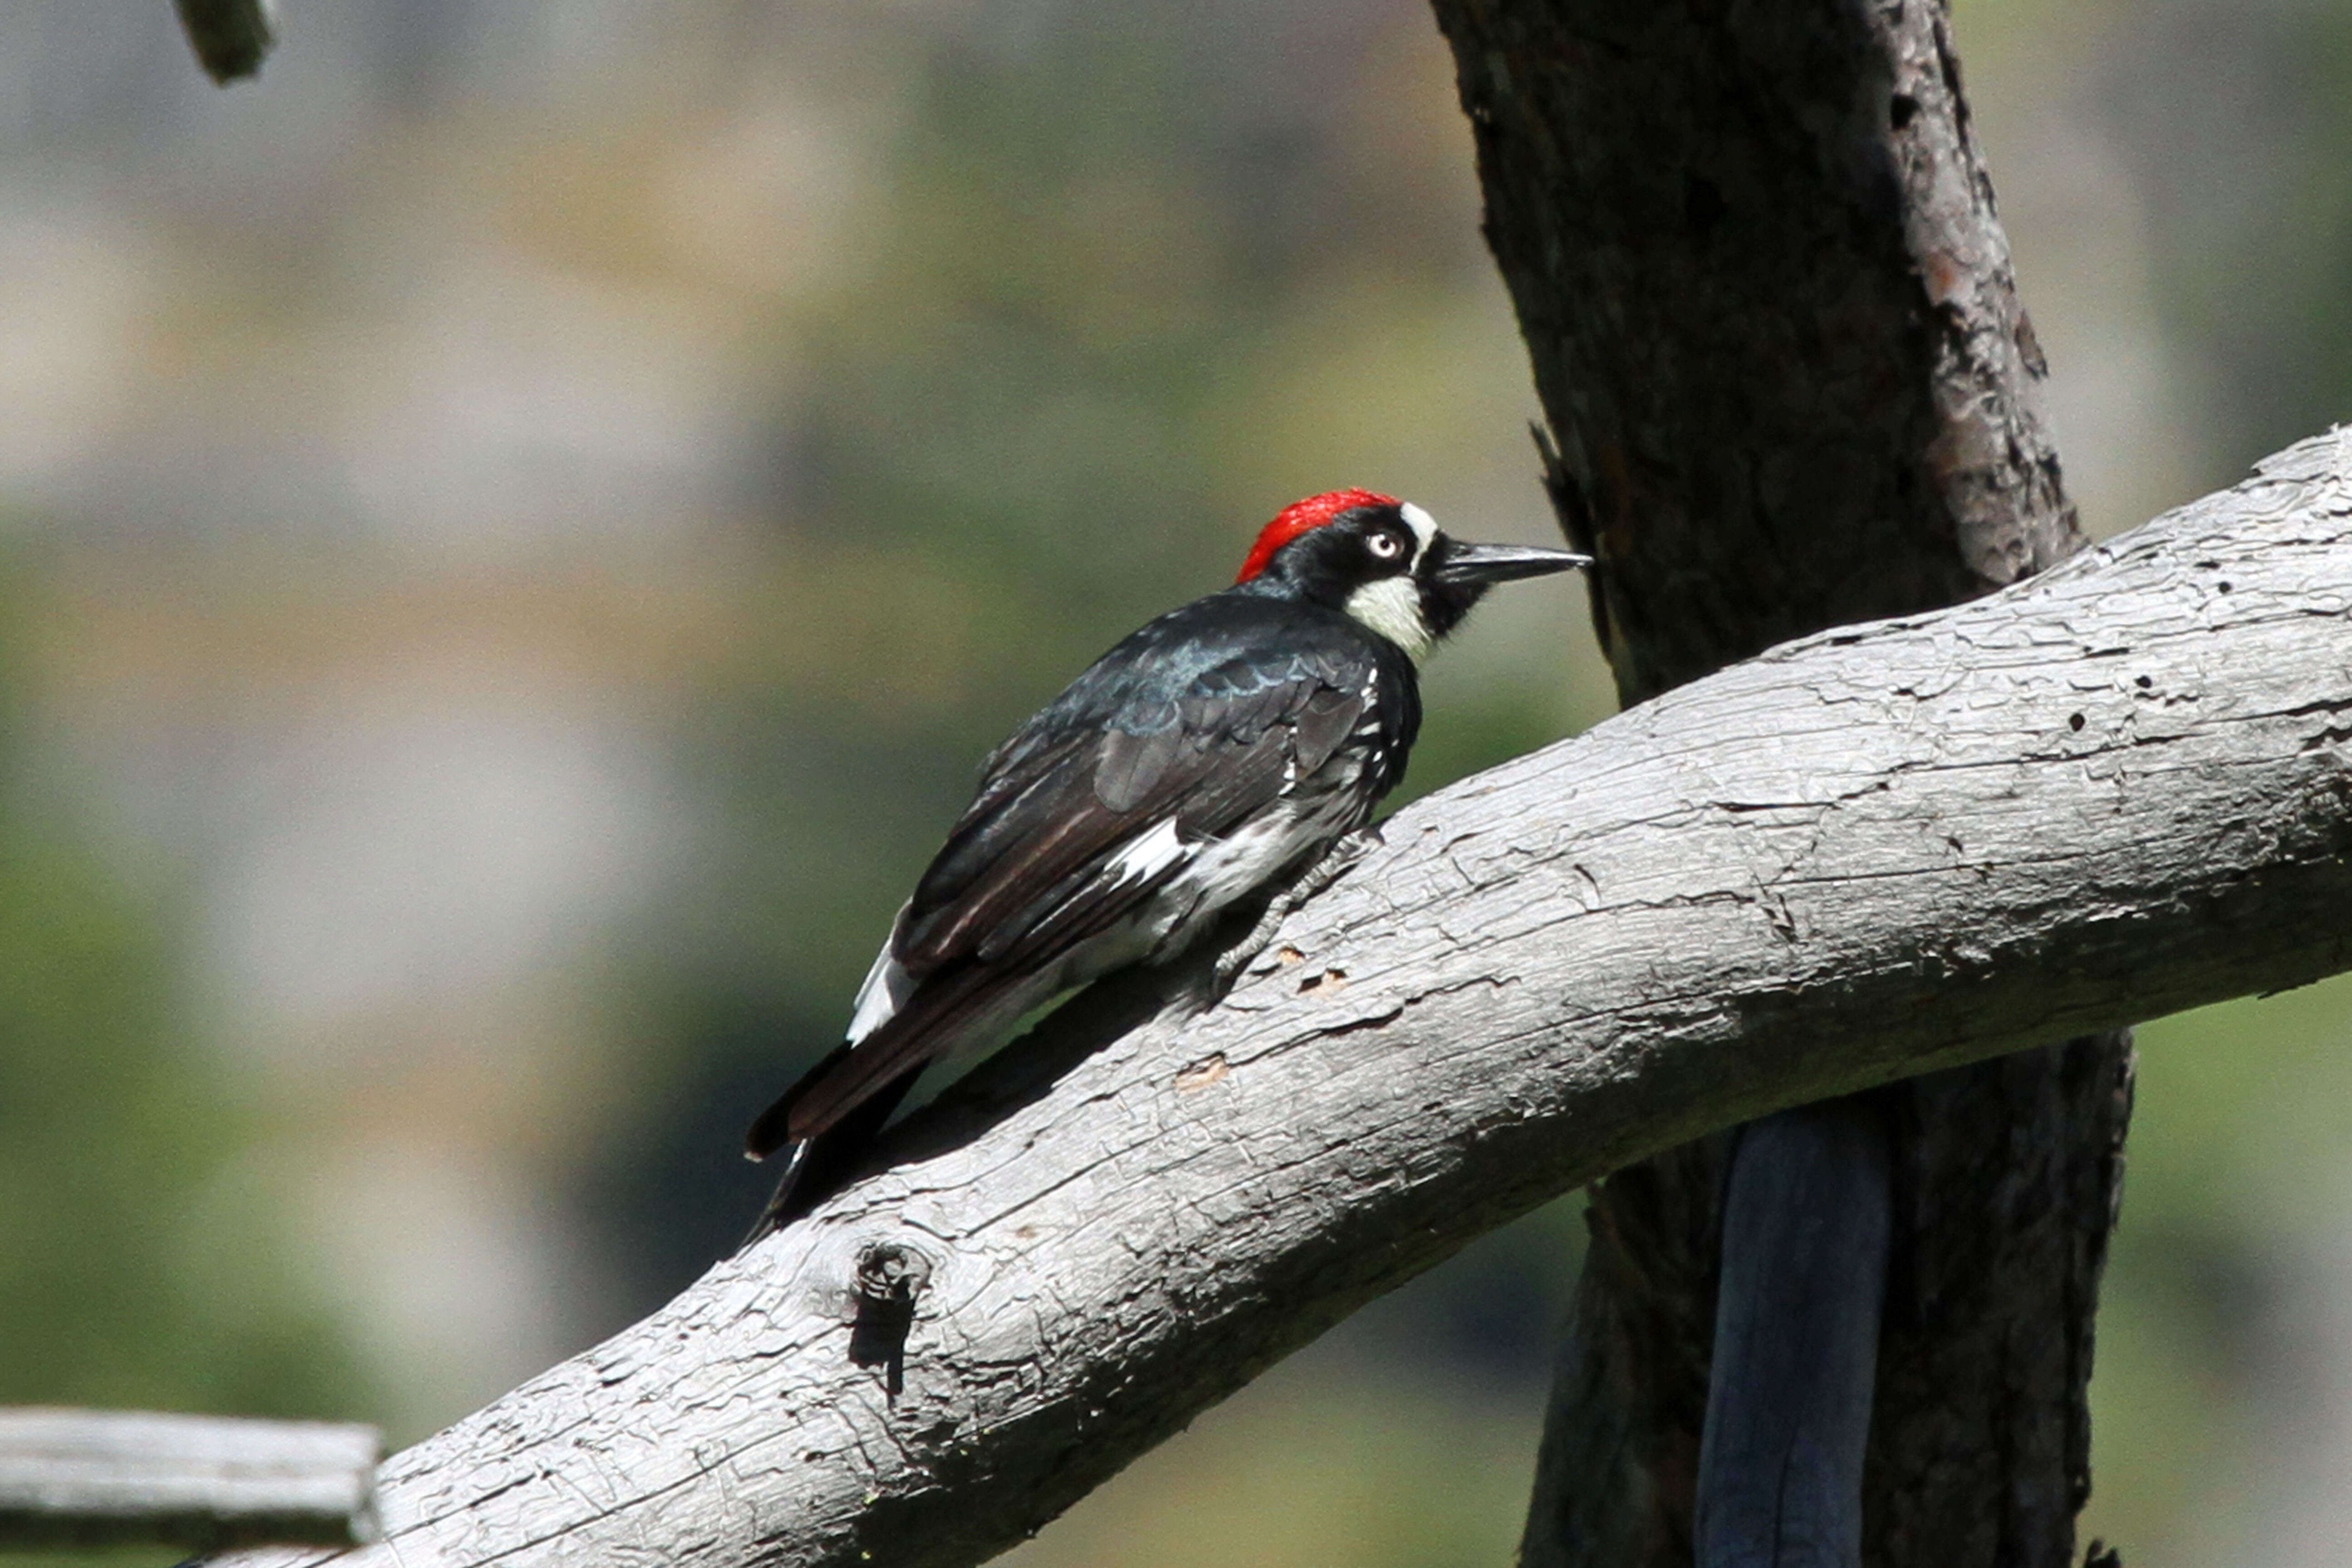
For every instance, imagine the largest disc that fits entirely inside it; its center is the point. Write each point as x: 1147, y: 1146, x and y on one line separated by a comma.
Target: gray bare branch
x: 2119, y: 789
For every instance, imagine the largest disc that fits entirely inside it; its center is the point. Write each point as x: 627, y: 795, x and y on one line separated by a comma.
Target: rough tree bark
x: 2118, y: 790
x: 1754, y: 254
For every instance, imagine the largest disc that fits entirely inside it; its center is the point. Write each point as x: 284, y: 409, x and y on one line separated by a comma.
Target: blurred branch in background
x: 2118, y: 790
x: 83, y: 1478
x: 231, y: 37
x: 140, y: 1262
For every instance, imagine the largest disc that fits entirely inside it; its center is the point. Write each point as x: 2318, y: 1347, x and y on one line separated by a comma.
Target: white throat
x: 1391, y: 607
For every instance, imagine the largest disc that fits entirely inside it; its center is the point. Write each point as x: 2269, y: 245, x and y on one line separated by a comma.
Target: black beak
x: 1477, y: 565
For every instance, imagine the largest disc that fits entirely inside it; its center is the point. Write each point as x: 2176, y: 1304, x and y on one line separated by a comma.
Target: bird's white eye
x: 1385, y: 546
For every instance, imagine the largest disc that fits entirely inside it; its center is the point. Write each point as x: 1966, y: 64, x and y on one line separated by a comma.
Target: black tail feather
x: 773, y: 1131
x: 821, y: 1167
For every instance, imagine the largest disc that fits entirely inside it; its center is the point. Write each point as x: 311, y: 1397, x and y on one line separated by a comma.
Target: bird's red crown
x: 1304, y: 517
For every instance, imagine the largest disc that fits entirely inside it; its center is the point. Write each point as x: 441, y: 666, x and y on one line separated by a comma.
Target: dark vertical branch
x: 231, y: 37
x: 1754, y: 254
x: 1805, y: 1224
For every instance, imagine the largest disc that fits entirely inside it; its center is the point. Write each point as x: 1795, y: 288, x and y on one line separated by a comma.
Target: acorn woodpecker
x: 1225, y: 744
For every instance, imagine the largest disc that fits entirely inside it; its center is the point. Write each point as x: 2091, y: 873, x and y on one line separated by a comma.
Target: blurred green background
x: 519, y: 527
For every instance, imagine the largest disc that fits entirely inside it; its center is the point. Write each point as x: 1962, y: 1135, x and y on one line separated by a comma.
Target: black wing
x: 1198, y: 722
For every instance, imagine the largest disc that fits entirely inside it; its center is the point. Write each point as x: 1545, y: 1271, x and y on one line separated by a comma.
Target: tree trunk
x: 2120, y: 789
x: 1754, y: 255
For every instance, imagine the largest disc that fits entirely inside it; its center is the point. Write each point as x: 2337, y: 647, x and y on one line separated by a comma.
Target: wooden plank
x: 105, y: 1477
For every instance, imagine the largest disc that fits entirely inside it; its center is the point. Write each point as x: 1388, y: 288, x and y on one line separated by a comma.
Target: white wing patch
x: 1147, y: 857
x: 1391, y: 606
x: 885, y: 990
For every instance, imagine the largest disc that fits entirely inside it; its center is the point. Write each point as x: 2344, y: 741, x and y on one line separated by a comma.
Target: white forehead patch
x: 1391, y: 606
x: 1425, y: 529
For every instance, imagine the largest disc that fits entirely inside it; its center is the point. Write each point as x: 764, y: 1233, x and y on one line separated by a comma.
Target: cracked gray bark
x: 2118, y: 790
x: 1770, y: 312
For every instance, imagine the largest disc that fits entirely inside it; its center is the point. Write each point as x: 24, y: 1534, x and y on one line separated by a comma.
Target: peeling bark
x: 2120, y: 789
x: 1770, y: 312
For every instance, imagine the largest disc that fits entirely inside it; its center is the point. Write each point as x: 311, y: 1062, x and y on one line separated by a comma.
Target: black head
x: 1387, y: 563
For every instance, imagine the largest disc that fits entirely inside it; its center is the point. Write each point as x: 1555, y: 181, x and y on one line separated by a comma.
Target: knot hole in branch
x: 890, y: 1276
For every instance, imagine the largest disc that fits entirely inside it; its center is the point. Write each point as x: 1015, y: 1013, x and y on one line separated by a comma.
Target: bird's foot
x: 1336, y: 863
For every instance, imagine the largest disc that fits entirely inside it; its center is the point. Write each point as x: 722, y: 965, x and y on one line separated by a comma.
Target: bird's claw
x: 1336, y: 863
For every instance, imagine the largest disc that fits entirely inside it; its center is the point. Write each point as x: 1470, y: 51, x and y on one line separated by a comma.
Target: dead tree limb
x: 2121, y: 789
